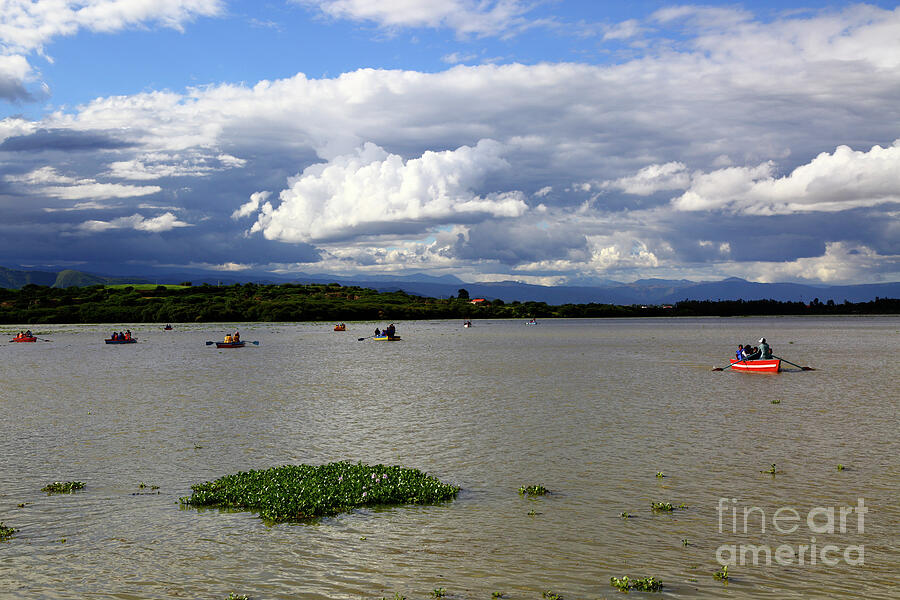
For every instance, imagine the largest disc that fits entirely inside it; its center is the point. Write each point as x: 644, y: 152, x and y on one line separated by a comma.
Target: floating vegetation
x: 496, y: 595
x: 665, y: 506
x: 143, y: 485
x: 660, y: 474
x: 684, y: 542
x: 233, y: 596
x: 6, y: 532
x: 63, y: 487
x: 297, y: 492
x: 840, y: 467
x: 721, y: 575
x: 775, y: 401
x: 639, y: 584
x: 533, y: 513
x: 551, y: 595
x: 625, y: 515
x: 533, y: 490
x: 397, y: 596
x: 772, y: 470
x: 438, y: 592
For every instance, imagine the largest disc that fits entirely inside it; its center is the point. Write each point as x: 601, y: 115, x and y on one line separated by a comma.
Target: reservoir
x: 610, y: 415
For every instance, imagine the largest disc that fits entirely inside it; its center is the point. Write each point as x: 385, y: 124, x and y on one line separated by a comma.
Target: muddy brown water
x: 591, y: 409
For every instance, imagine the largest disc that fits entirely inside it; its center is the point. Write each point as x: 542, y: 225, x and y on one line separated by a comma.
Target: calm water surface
x: 591, y: 409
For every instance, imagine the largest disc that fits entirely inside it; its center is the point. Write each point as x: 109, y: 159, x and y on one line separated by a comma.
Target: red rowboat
x: 121, y: 341
x: 772, y: 365
x: 24, y: 339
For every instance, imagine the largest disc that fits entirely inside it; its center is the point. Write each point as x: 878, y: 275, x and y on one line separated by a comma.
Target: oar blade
x: 210, y: 343
x: 256, y: 343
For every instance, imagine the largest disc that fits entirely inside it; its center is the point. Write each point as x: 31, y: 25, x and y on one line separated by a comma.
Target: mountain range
x: 645, y: 291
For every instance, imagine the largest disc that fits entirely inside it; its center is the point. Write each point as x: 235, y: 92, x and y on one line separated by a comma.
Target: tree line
x: 34, y: 304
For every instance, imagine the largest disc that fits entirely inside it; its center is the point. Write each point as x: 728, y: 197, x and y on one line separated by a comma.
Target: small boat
x: 230, y: 344
x: 24, y: 338
x: 387, y: 338
x: 340, y: 328
x: 467, y: 324
x: 122, y: 341
x: 168, y: 328
x: 771, y: 365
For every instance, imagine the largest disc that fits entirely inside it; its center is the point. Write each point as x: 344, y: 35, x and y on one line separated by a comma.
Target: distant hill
x: 17, y: 279
x: 62, y: 279
x: 645, y: 291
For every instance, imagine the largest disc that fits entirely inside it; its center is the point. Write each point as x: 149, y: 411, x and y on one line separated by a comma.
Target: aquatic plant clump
x: 298, y: 492
x: 6, y: 532
x: 533, y: 490
x: 639, y: 584
x: 63, y: 487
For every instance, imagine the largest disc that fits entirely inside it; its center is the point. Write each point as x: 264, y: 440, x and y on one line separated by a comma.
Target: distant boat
x: 340, y: 327
x: 230, y: 344
x: 531, y: 322
x: 386, y: 338
x: 24, y: 338
x: 168, y: 328
x: 122, y: 341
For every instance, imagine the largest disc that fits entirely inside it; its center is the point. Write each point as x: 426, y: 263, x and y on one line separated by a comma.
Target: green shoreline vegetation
x: 333, y: 302
x: 302, y: 492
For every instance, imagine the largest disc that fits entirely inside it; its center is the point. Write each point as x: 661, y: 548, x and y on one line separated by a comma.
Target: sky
x: 553, y: 142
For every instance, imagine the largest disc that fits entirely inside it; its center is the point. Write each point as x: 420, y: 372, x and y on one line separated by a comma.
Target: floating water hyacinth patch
x: 6, y: 532
x: 63, y: 487
x: 533, y: 490
x: 639, y: 584
x: 298, y: 492
x: 665, y: 506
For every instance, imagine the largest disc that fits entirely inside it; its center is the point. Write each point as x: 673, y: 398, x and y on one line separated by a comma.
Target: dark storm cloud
x: 67, y: 140
x: 11, y: 89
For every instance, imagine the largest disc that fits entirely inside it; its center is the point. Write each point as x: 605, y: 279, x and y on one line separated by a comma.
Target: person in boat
x: 765, y: 352
x: 236, y: 338
x: 377, y: 332
x: 127, y: 334
x: 740, y: 352
x: 751, y: 353
x: 390, y: 330
x: 227, y: 338
x: 28, y: 333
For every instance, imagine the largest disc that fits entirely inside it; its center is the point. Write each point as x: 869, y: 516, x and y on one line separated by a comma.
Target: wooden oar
x: 723, y: 368
x: 794, y: 365
x: 365, y: 338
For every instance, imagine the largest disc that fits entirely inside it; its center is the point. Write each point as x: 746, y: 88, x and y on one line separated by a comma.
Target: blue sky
x: 542, y: 141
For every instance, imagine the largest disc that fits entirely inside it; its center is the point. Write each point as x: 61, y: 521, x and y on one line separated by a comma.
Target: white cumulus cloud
x: 842, y: 180
x: 372, y: 192
x: 164, y: 222
x: 466, y: 17
x: 27, y: 25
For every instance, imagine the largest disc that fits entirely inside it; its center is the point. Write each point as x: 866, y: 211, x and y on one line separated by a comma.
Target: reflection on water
x: 591, y: 409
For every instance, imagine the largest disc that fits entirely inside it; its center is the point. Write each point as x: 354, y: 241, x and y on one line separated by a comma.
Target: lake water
x: 591, y: 409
